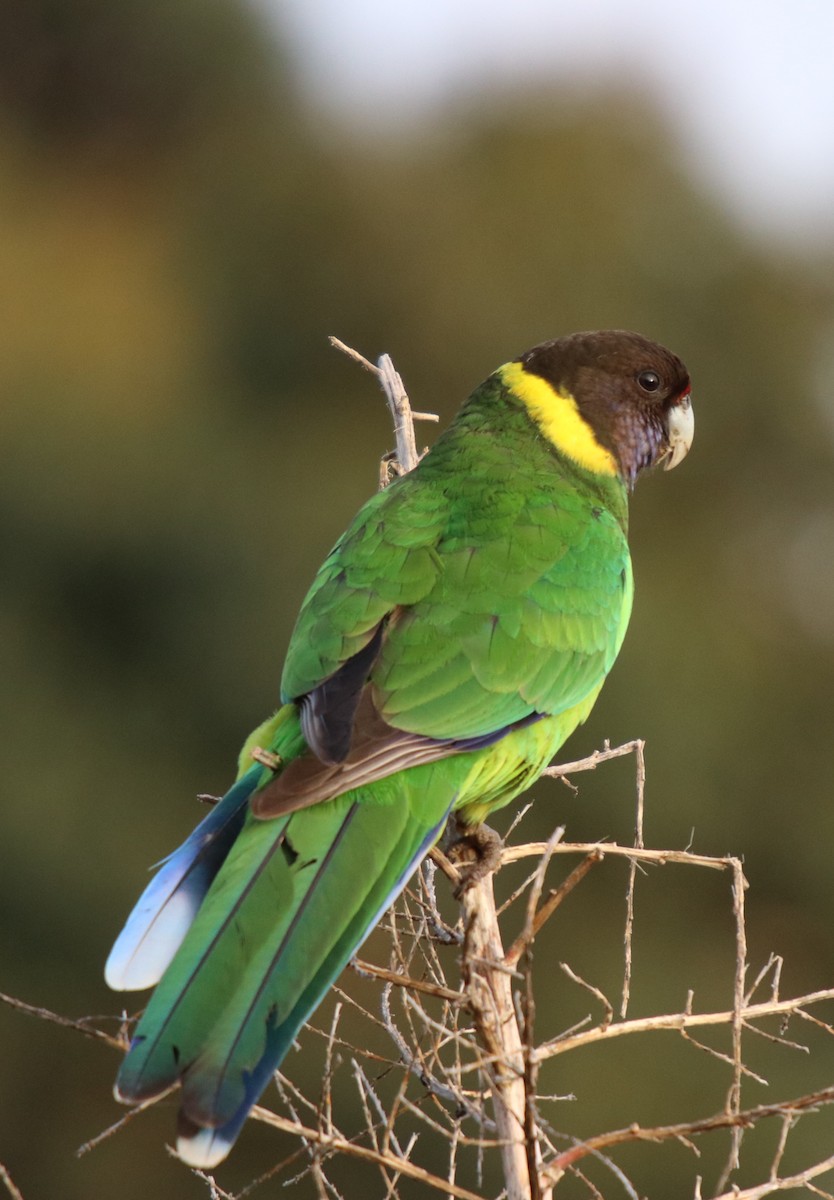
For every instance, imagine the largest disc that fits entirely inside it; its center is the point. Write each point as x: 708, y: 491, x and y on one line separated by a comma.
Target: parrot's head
x: 631, y: 394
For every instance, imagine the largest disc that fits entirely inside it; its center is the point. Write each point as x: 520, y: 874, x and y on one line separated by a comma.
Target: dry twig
x: 8, y: 1184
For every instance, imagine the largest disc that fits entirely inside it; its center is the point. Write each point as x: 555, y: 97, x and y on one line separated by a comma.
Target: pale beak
x: 681, y: 425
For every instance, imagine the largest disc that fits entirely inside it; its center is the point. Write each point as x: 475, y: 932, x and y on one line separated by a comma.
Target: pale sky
x: 748, y: 84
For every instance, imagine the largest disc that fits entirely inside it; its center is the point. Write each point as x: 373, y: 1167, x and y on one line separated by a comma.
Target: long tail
x: 293, y: 899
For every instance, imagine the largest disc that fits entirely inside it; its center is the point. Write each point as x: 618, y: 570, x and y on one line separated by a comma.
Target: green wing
x: 489, y: 603
x: 385, y: 559
x: 526, y: 616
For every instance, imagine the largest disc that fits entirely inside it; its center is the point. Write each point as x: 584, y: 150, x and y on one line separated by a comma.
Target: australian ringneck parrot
x: 452, y: 640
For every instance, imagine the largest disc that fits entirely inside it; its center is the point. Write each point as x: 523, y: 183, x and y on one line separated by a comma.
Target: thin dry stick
x: 341, y: 1145
x: 788, y: 1122
x: 554, y: 899
x: 325, y: 1107
x: 8, y: 1183
x: 560, y: 770
x: 414, y: 985
x: 594, y: 991
x: 398, y: 403
x: 215, y: 1192
x: 686, y: 1130
x: 785, y: 1184
x: 680, y: 1021
x: 82, y: 1026
x: 528, y: 932
x: 660, y: 857
x: 129, y: 1116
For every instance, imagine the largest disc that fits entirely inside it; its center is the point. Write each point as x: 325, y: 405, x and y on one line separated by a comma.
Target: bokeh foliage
x: 179, y: 234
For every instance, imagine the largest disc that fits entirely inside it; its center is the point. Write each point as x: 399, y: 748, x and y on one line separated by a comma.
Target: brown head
x: 632, y: 394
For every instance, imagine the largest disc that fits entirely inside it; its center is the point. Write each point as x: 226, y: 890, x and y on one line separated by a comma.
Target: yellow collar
x: 558, y: 417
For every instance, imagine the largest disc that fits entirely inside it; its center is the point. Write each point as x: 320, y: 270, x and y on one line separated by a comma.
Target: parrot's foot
x: 475, y: 850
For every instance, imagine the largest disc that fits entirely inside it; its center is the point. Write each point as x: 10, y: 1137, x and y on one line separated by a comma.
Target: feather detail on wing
x: 377, y: 751
x: 328, y: 711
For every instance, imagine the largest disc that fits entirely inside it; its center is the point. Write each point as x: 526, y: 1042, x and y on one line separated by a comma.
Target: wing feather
x: 449, y: 613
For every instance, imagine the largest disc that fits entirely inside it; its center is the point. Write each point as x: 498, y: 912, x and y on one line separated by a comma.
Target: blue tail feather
x: 164, y: 912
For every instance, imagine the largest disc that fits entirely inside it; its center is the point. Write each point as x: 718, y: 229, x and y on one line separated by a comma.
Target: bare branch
x: 639, y: 748
x: 555, y: 897
x: 604, y: 849
x: 340, y: 1145
x: 83, y: 1026
x: 414, y: 985
x: 682, y: 1020
x: 491, y: 1003
x: 664, y: 1133
x: 399, y: 405
x: 560, y: 770
x: 802, y: 1179
x: 354, y: 354
x: 734, y: 1095
x: 595, y: 992
x: 8, y: 1183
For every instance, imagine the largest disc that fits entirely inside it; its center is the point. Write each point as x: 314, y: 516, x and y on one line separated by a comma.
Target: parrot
x: 454, y: 637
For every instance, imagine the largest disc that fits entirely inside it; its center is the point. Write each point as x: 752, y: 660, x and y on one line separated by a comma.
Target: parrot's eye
x: 649, y: 381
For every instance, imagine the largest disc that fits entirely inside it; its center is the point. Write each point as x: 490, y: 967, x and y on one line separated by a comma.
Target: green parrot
x: 454, y: 637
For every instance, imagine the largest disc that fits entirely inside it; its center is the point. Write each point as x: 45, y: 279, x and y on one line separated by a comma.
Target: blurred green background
x: 181, y: 227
